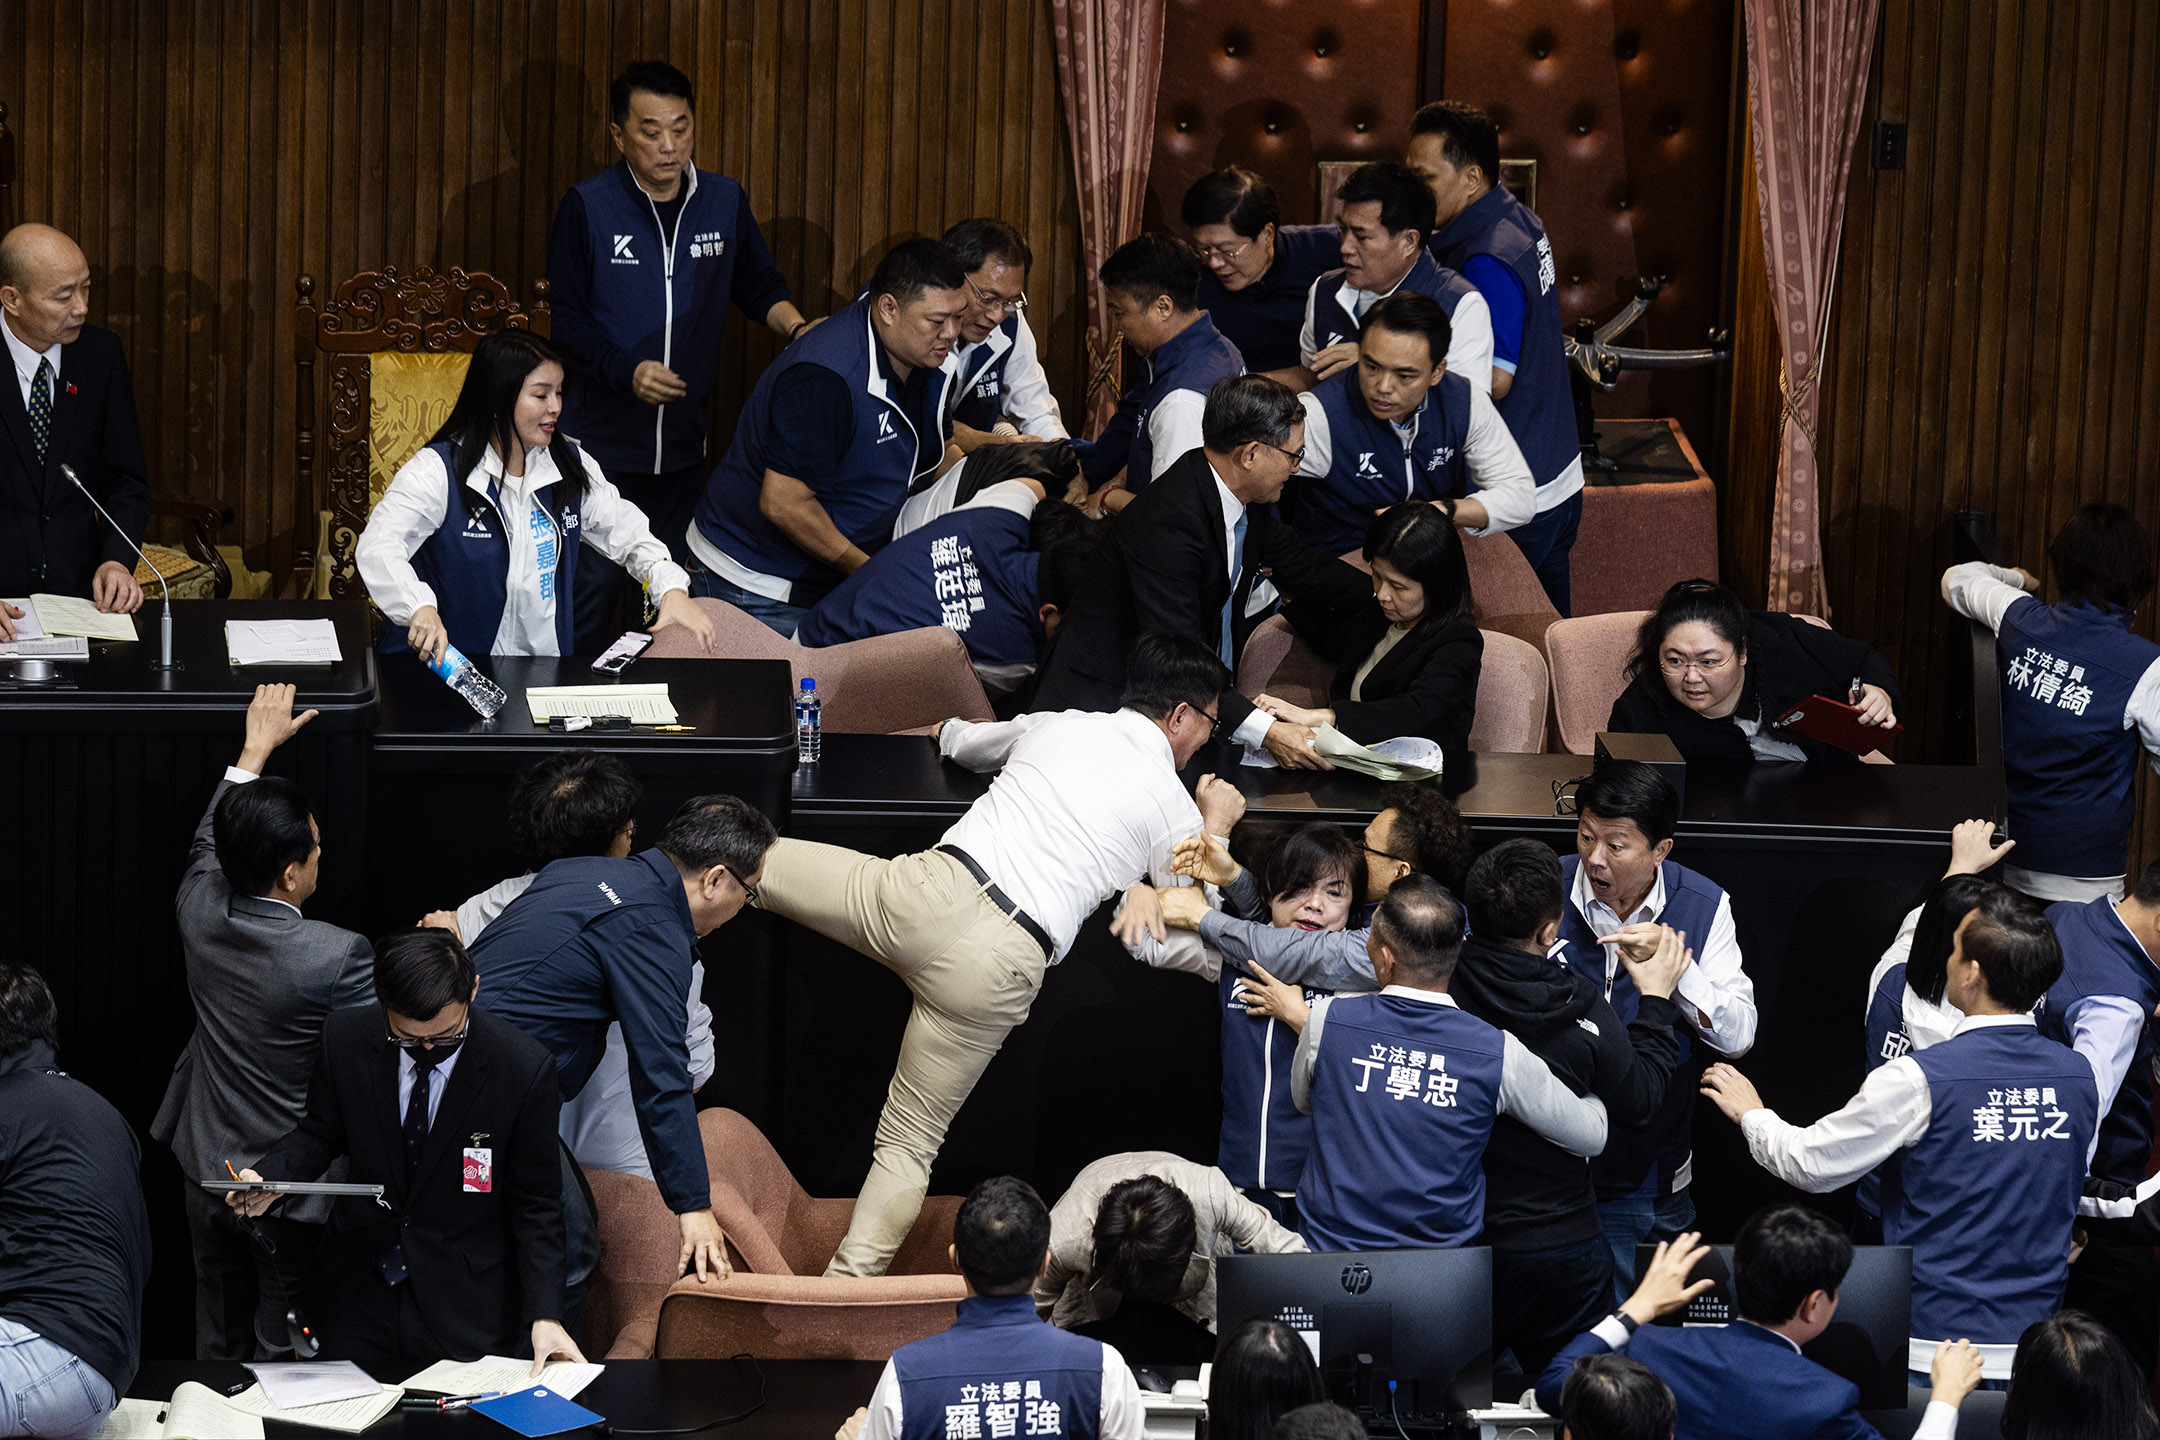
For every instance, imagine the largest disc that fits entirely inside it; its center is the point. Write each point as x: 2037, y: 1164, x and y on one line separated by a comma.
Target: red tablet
x: 1834, y: 722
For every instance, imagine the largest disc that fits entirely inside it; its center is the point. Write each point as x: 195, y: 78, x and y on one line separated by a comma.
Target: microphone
x: 165, y: 660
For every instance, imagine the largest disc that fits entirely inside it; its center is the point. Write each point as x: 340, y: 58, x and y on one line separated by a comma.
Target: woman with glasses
x: 1715, y: 676
x: 1258, y: 269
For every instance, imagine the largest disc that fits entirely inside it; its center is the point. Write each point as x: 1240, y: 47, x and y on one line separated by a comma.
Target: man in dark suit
x: 453, y: 1113
x: 70, y: 404
x: 263, y: 978
x: 1186, y: 555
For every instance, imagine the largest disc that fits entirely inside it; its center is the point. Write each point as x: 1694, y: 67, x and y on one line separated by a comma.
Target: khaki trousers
x: 973, y: 972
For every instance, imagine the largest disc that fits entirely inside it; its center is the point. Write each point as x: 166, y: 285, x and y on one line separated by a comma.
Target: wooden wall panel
x: 207, y: 152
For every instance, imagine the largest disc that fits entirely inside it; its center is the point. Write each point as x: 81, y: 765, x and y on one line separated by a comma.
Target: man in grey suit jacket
x: 263, y: 978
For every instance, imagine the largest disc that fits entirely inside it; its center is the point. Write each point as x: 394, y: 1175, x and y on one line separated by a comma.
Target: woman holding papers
x: 1406, y: 647
x: 489, y: 568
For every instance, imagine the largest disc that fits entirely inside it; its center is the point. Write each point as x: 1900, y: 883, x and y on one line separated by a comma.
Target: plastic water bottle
x: 809, y: 722
x: 483, y: 694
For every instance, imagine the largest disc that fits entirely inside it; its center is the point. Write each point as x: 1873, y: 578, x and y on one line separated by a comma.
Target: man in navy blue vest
x: 1000, y: 1370
x: 643, y: 262
x: 835, y: 434
x: 1500, y: 247
x: 1259, y: 269
x: 1404, y: 1087
x: 2103, y: 1008
x: 1748, y: 1380
x: 997, y: 390
x: 1386, y: 220
x: 1151, y: 285
x: 1990, y: 1128
x: 1400, y: 425
x: 1622, y: 891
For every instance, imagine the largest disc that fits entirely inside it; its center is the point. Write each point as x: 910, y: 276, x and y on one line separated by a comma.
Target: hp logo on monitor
x: 1356, y: 1279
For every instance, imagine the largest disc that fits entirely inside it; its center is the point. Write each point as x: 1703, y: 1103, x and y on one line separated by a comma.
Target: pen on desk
x: 459, y: 1402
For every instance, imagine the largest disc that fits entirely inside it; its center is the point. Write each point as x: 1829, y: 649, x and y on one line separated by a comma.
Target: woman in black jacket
x: 1406, y: 647
x: 1713, y: 676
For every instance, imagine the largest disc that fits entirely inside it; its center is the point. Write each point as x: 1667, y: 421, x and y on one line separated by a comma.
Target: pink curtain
x: 1109, y: 61
x: 1807, y: 78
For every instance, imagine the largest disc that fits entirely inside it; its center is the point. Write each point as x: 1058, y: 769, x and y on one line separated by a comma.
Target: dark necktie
x: 416, y: 1109
x: 41, y: 407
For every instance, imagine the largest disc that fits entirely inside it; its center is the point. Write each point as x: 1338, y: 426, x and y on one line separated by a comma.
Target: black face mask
x: 439, y: 1051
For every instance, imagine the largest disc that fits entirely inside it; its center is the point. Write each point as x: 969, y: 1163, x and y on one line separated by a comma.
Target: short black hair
x: 1309, y: 854
x: 913, y: 266
x: 714, y: 830
x: 260, y: 828
x: 654, y: 77
x: 1324, y: 1421
x: 1054, y: 520
x: 2015, y: 947
x: 1242, y: 409
x: 1468, y: 136
x: 1782, y: 1255
x: 1630, y: 790
x: 1262, y: 1370
x: 574, y: 802
x: 1235, y: 197
x: 2103, y: 557
x: 28, y: 1012
x: 1421, y: 924
x: 1406, y: 202
x: 1000, y: 1236
x: 1927, y: 963
x: 419, y: 971
x: 1155, y: 264
x: 1164, y: 671
x: 2072, y: 1379
x: 1064, y: 568
x: 1703, y: 602
x: 1408, y: 312
x: 974, y: 242
x: 1613, y: 1397
x: 1145, y: 1234
x: 1429, y: 834
x: 1514, y: 890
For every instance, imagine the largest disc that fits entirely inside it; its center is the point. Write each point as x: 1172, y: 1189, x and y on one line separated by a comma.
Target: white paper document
x: 492, y: 1374
x: 26, y: 624
x: 196, y: 1412
x: 282, y: 642
x: 73, y: 615
x: 350, y: 1416
x: 644, y: 704
x: 292, y: 1383
x: 55, y: 647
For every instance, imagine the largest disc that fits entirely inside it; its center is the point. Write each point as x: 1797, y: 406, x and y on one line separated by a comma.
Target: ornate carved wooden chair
x: 397, y: 345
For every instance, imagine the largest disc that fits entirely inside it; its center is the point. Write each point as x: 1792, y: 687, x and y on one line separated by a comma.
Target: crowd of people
x: 1423, y: 1045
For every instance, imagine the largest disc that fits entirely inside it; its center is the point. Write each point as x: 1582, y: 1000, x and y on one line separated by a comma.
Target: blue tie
x: 1237, y: 568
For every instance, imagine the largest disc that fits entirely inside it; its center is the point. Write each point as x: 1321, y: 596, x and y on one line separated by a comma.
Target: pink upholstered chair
x: 883, y: 685
x: 778, y: 1304
x: 1588, y: 658
x: 1504, y: 590
x: 1511, y: 698
x: 1636, y: 541
x: 1275, y: 660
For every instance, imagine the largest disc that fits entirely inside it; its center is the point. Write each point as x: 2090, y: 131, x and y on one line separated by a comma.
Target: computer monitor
x: 1421, y: 1318
x: 1865, y: 1343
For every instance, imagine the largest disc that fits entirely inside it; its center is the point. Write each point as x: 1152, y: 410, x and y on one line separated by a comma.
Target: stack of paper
x: 290, y: 1384
x: 282, y: 642
x: 196, y: 1413
x: 32, y: 643
x: 351, y: 1416
x: 496, y: 1374
x: 644, y: 704
x: 73, y: 615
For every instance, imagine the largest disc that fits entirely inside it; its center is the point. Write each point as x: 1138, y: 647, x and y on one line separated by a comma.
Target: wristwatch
x: 1627, y: 1322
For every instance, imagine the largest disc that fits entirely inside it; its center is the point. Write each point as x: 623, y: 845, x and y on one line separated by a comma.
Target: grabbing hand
x: 442, y: 920
x: 1954, y: 1373
x: 1141, y: 914
x: 114, y: 590
x: 270, y: 723
x: 1265, y: 997
x: 1659, y: 972
x: 1329, y: 359
x: 1665, y: 1286
x: 677, y: 608
x: 427, y: 635
x: 852, y: 1427
x: 703, y: 1246
x: 1730, y: 1091
x: 1292, y: 746
x: 1296, y: 714
x: 1875, y: 707
x: 9, y: 614
x: 1182, y: 905
x: 655, y: 384
x: 1972, y: 848
x: 551, y: 1342
x: 250, y: 1202
x: 1221, y: 804
x: 1203, y: 857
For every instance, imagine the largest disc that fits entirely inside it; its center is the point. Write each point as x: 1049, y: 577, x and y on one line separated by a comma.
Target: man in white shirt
x: 1085, y: 806
x: 998, y: 390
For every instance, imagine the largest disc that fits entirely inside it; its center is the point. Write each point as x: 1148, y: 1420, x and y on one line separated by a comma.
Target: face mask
x: 439, y: 1051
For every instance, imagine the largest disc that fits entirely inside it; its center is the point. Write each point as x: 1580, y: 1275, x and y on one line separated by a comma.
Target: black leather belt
x: 1000, y: 899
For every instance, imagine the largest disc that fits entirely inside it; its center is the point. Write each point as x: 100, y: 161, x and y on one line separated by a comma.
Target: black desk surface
x: 804, y: 1399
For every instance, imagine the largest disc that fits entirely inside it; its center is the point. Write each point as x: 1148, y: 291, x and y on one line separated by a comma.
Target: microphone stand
x: 165, y: 660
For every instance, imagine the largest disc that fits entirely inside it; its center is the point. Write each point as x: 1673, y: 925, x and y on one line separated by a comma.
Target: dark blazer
x: 1166, y: 566
x: 1426, y: 685
x: 1788, y: 660
x: 483, y: 1266
x: 1732, y: 1382
x: 50, y: 538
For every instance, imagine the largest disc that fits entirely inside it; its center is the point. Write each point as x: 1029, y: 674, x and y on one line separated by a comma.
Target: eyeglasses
x: 1297, y: 456
x: 750, y: 891
x: 998, y: 304
x: 1386, y: 855
x: 428, y: 1042
x: 1678, y: 665
x: 1225, y: 253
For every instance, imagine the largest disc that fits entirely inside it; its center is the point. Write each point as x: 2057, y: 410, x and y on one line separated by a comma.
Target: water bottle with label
x: 483, y: 694
x: 809, y: 722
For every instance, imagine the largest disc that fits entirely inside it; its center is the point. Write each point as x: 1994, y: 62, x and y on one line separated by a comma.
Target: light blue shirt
x: 438, y: 1079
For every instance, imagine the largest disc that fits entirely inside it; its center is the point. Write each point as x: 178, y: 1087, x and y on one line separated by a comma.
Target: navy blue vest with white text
x: 2068, y: 759
x: 466, y: 562
x: 1332, y: 324
x: 968, y: 570
x: 1990, y: 1191
x: 1887, y: 1039
x: 862, y: 499
x: 1539, y: 407
x: 1647, y: 1161
x: 1371, y: 465
x: 2102, y: 957
x: 1404, y: 1093
x: 1194, y: 359
x: 1264, y: 318
x: 1000, y: 1371
x: 1264, y: 1140
x: 976, y: 396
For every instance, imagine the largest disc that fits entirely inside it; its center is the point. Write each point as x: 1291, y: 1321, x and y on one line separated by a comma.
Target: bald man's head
x: 44, y: 286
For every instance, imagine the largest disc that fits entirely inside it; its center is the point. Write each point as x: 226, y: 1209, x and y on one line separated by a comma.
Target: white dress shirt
x: 438, y: 1078
x: 1123, y: 1416
x: 412, y: 509
x: 1025, y: 397
x: 1720, y: 997
x: 1085, y: 806
x: 1529, y: 1091
x: 1255, y: 726
x: 1470, y: 342
x: 26, y: 362
x: 1499, y: 476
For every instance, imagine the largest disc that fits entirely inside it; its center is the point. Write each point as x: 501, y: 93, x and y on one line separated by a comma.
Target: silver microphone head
x: 73, y: 479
